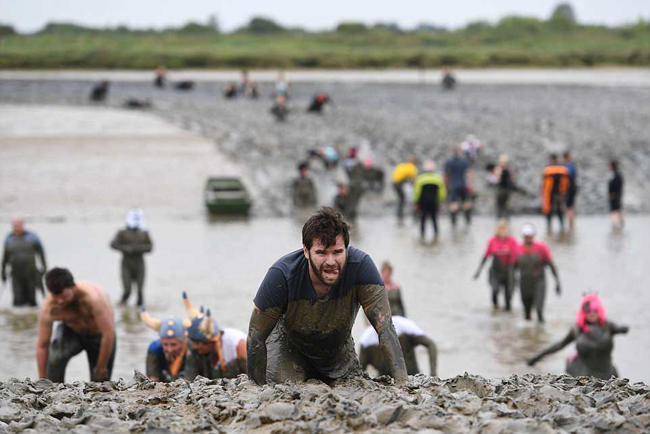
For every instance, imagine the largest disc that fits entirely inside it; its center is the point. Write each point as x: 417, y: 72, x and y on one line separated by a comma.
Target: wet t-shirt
x: 455, y: 169
x: 504, y: 251
x: 320, y: 329
x: 531, y: 260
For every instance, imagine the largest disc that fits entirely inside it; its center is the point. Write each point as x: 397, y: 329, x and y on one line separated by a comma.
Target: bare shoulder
x: 94, y: 295
x: 45, y: 313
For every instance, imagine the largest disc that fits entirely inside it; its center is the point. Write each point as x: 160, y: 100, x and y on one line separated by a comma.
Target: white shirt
x: 230, y: 339
x: 403, y: 326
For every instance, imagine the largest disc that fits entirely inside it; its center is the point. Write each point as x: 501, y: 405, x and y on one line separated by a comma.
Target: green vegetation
x: 559, y: 41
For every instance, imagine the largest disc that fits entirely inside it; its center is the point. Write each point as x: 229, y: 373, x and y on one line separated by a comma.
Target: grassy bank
x: 586, y: 46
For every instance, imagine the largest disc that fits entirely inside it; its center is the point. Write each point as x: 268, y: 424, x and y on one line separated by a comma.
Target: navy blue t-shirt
x: 455, y: 169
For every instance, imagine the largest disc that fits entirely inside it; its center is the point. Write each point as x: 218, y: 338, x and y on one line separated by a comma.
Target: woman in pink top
x: 532, y: 259
x: 503, y: 248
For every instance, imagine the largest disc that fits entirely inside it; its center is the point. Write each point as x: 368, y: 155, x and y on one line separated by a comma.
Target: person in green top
x: 429, y: 192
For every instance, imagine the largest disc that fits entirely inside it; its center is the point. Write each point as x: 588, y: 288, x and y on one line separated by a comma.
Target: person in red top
x: 532, y: 258
x: 503, y: 248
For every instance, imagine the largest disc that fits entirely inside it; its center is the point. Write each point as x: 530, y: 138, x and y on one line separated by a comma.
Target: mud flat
x: 463, y: 404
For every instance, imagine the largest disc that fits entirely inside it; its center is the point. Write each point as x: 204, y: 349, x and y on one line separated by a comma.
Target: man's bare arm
x: 260, y: 327
x: 105, y: 323
x: 43, y: 343
x: 374, y: 300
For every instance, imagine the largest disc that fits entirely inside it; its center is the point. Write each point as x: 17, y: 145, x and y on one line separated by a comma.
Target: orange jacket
x: 555, y: 179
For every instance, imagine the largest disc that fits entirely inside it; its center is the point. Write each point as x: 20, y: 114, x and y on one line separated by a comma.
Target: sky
x: 31, y: 15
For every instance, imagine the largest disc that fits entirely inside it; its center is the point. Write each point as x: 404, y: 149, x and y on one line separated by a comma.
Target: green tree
x: 193, y: 28
x: 351, y: 28
x: 514, y: 27
x: 563, y: 18
x: 7, y: 30
x: 261, y: 25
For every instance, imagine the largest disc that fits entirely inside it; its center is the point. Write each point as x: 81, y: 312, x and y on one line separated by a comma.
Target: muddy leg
x: 65, y: 345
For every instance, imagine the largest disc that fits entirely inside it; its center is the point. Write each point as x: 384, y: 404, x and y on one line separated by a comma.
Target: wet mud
x: 463, y: 404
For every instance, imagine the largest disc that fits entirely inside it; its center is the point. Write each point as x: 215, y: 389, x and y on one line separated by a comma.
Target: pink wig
x: 590, y: 303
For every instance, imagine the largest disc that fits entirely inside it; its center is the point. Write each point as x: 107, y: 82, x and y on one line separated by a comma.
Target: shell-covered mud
x: 464, y: 404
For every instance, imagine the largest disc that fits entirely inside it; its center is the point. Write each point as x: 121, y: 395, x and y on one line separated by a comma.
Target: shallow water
x: 74, y: 180
x: 222, y: 263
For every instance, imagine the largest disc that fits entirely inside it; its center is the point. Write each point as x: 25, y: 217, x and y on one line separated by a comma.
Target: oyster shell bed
x: 463, y: 404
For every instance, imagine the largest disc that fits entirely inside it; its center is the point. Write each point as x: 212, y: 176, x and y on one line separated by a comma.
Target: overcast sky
x: 31, y: 15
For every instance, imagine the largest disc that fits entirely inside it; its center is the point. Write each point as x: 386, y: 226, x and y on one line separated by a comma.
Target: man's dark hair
x: 553, y: 157
x: 614, y: 165
x: 58, y: 279
x: 566, y: 155
x: 325, y: 225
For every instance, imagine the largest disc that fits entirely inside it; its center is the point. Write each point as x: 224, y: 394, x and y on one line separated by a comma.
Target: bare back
x: 81, y: 315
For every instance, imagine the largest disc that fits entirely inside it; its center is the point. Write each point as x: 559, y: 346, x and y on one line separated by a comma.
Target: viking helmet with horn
x: 201, y: 327
x: 169, y: 327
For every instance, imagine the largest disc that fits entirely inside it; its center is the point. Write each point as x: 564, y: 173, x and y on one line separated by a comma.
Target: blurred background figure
x: 230, y: 92
x: 161, y: 76
x: 99, y: 92
x: 185, y: 85
x: 572, y: 190
x: 448, y: 79
x: 503, y: 249
x: 137, y: 103
x: 247, y: 87
x: 327, y: 154
x: 459, y: 179
x: 504, y: 186
x: 318, y: 103
x: 410, y: 335
x: 134, y: 242
x: 555, y: 183
x: 471, y: 147
x: 280, y: 110
x: 282, y: 86
x: 403, y: 173
x: 21, y: 248
x: 532, y: 259
x: 428, y: 193
x: 394, y: 290
x: 594, y: 337
x: 615, y: 194
x: 303, y: 190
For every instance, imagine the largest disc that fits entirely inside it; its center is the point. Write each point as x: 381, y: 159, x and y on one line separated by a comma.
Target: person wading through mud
x: 20, y: 251
x: 594, y: 337
x: 303, y: 190
x: 166, y: 355
x: 572, y: 190
x: 133, y: 241
x: 555, y: 184
x: 393, y: 289
x: 428, y: 193
x: 503, y: 248
x: 305, y: 308
x: 87, y: 324
x: 403, y: 173
x: 615, y: 195
x: 459, y: 178
x: 214, y: 352
x: 410, y: 335
x: 532, y: 259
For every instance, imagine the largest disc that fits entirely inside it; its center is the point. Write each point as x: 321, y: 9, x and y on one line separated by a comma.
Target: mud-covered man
x: 86, y: 325
x: 305, y: 308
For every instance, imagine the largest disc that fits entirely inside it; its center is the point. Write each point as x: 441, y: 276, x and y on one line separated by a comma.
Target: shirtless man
x: 309, y: 299
x: 86, y: 324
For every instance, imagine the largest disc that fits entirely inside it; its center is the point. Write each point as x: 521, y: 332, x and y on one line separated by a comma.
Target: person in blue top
x: 301, y: 324
x: 20, y: 251
x: 459, y: 179
x: 572, y: 191
x: 166, y: 355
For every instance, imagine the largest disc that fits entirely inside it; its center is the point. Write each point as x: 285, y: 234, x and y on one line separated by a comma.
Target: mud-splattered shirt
x: 320, y: 328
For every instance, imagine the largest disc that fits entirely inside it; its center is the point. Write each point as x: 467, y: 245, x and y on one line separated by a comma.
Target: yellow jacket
x: 405, y: 171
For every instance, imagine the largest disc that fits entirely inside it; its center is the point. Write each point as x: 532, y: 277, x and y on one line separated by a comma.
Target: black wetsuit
x: 280, y: 112
x: 615, y: 192
x: 133, y: 243
x: 504, y: 187
x: 99, y: 92
x: 303, y: 192
x: 158, y: 365
x: 395, y: 302
x: 572, y: 191
x: 372, y: 355
x: 532, y: 279
x: 20, y: 253
x: 67, y: 343
x: 311, y: 336
x: 594, y: 348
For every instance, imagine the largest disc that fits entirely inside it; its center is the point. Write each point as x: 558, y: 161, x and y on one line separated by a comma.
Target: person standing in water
x: 572, y: 191
x: 21, y: 248
x: 86, y: 324
x: 303, y: 190
x: 393, y: 289
x: 459, y: 178
x: 503, y: 248
x: 615, y: 195
x: 532, y: 259
x: 555, y: 184
x: 410, y: 336
x: 133, y: 241
x: 403, y: 173
x: 301, y: 324
x: 594, y: 337
x: 428, y: 193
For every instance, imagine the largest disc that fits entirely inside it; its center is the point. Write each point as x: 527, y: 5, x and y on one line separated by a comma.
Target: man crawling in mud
x: 305, y: 308
x: 86, y: 325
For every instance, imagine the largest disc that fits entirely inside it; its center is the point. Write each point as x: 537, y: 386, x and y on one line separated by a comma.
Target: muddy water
x: 74, y: 180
